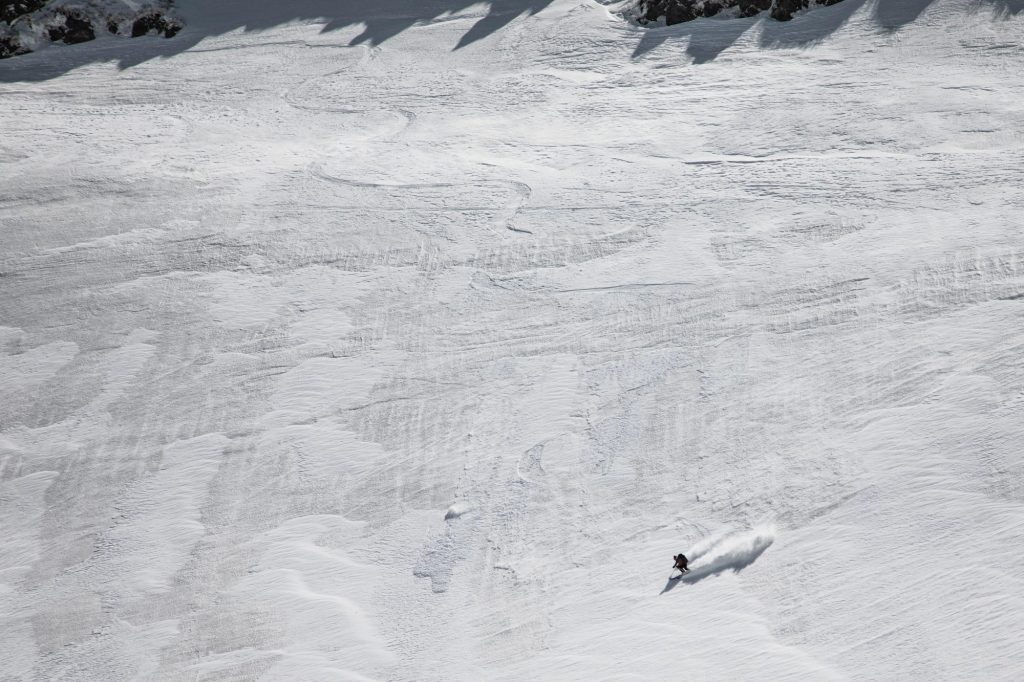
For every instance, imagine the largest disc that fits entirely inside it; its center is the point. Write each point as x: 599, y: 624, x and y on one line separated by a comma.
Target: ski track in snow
x: 411, y: 363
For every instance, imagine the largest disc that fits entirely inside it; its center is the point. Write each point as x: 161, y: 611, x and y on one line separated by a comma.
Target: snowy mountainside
x: 410, y: 341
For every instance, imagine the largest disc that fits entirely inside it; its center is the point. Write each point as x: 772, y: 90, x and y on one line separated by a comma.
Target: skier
x: 681, y: 564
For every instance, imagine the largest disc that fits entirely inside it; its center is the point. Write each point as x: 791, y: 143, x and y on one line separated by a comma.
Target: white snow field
x: 409, y: 341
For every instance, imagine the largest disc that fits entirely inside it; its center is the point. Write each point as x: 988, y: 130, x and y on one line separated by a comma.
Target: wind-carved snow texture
x: 409, y: 341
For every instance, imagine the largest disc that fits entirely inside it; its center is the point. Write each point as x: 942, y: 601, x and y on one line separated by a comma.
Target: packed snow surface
x: 411, y: 340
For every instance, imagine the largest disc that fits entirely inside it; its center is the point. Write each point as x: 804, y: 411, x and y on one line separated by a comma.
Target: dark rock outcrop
x: 26, y: 24
x: 783, y: 9
x: 678, y: 11
x: 10, y: 46
x: 12, y: 9
x: 72, y: 28
x: 749, y: 8
x: 155, y: 22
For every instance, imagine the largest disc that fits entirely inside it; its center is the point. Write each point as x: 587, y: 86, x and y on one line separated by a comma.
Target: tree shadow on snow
x: 706, y: 39
x: 732, y: 552
x: 379, y: 19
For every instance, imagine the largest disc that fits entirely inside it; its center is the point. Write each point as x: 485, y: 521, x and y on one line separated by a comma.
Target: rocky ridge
x: 26, y: 25
x: 679, y: 11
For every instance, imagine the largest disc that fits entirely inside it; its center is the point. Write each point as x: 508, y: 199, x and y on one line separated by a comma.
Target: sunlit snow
x: 410, y: 341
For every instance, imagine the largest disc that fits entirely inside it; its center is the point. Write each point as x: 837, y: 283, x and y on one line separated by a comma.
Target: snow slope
x: 411, y: 342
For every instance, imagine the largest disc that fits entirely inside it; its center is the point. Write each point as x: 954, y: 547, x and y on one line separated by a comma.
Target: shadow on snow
x: 384, y: 19
x: 708, y: 38
x: 380, y: 20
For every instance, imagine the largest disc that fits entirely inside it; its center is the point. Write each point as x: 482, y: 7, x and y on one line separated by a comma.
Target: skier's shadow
x: 734, y: 560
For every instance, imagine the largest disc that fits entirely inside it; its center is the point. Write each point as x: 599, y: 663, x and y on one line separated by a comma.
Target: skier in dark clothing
x: 681, y: 563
